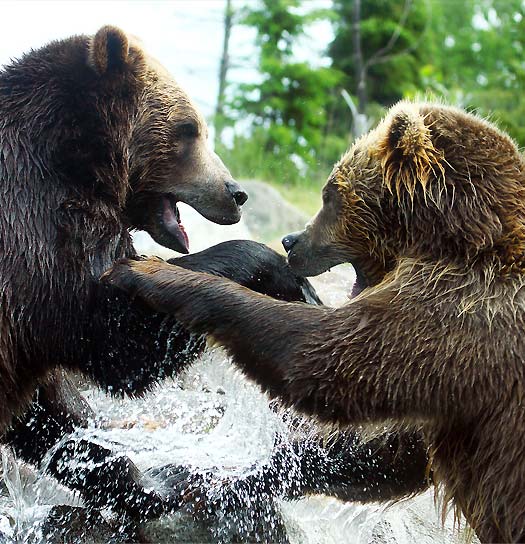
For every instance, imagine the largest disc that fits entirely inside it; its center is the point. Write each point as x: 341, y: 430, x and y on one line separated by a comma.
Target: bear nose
x: 237, y: 193
x: 289, y: 241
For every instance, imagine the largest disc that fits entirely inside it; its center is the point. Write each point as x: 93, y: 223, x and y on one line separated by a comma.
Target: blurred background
x: 288, y: 84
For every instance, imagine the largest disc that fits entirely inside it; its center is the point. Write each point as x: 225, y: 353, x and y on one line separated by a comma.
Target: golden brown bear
x: 430, y: 209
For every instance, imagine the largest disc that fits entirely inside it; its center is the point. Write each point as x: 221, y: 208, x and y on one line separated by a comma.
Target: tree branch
x: 375, y: 59
x: 379, y: 54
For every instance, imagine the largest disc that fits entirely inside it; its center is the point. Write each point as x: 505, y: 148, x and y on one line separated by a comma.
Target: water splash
x: 27, y: 499
x: 212, y: 419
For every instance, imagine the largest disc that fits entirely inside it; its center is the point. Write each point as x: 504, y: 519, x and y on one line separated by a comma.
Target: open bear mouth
x: 172, y: 224
x: 361, y: 282
x: 369, y: 274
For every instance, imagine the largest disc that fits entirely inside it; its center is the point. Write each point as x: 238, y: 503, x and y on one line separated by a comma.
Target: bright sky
x: 184, y: 35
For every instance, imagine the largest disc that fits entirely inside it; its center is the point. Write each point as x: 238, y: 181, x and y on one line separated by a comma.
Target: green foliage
x: 471, y: 53
x: 478, y: 59
x: 248, y: 157
x: 393, y: 70
x: 287, y: 108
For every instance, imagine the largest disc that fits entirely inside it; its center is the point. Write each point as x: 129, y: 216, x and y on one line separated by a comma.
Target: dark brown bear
x: 429, y: 208
x: 97, y: 139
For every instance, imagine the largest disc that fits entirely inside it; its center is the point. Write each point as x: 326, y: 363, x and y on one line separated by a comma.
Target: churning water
x: 212, y: 418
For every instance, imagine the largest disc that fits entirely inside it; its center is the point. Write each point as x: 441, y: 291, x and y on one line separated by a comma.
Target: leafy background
x: 294, y: 123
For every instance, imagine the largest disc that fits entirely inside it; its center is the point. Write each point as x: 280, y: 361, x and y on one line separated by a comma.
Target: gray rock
x: 267, y: 214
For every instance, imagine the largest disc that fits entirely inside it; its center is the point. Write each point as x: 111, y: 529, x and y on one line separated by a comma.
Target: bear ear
x: 406, y: 151
x: 109, y: 49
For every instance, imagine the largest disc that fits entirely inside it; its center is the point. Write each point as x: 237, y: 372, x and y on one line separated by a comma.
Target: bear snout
x: 290, y: 240
x: 237, y: 192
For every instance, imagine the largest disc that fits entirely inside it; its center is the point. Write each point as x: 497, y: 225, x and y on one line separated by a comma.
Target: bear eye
x: 187, y: 130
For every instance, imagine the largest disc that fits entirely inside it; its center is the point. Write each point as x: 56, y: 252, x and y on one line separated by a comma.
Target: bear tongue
x: 172, y: 224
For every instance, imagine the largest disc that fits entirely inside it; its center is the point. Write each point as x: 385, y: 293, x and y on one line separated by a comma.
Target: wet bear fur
x: 429, y: 208
x: 97, y: 139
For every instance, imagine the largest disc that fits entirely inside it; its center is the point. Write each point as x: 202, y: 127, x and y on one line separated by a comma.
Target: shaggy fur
x: 429, y: 207
x: 97, y: 139
x: 85, y: 156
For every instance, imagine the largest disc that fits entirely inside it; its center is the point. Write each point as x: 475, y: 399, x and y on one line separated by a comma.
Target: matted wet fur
x: 96, y: 139
x: 430, y: 209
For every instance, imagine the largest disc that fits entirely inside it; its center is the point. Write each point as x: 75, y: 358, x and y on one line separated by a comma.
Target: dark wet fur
x: 76, y: 148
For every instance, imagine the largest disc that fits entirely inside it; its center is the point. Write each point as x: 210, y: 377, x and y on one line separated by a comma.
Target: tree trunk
x: 223, y: 71
x: 359, y: 70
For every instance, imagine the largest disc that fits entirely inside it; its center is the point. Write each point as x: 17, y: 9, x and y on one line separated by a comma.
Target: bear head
x: 167, y: 153
x: 430, y: 182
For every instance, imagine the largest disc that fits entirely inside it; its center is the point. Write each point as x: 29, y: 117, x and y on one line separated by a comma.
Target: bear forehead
x: 356, y: 163
x: 165, y: 88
